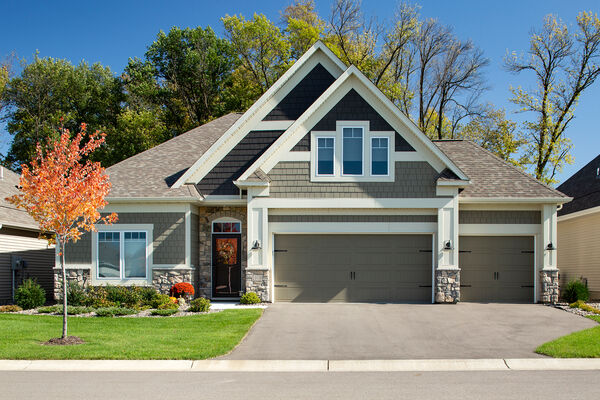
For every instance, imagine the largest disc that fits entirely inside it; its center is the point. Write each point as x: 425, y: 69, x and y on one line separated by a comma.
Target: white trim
x: 188, y: 237
x: 172, y: 267
x: 577, y: 214
x: 314, y: 138
x: 416, y: 203
x: 454, y: 183
x: 344, y: 211
x: 297, y: 156
x: 499, y: 229
x: 273, y: 125
x: 245, y: 184
x: 550, y: 200
x: 406, y: 156
x: 146, y: 208
x: 259, y: 109
x: 352, y: 228
x: 182, y: 199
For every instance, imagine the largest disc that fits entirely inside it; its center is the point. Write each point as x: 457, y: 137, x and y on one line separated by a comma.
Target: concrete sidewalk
x: 497, y: 364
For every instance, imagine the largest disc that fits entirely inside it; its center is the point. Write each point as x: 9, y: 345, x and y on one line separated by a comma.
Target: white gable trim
x: 318, y: 53
x: 352, y: 78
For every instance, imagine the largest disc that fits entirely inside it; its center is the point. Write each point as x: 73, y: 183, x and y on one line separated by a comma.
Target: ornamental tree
x: 63, y: 190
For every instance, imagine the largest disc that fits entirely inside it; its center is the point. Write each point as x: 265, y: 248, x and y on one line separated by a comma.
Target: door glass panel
x: 109, y: 255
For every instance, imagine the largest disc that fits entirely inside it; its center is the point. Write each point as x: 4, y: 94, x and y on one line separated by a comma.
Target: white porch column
x: 447, y: 273
x: 258, y: 271
x: 549, y: 284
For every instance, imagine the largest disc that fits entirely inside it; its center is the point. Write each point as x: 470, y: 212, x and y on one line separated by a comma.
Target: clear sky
x: 111, y: 31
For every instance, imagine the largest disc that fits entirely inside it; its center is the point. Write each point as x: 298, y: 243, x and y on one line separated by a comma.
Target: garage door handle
x: 424, y: 285
x: 526, y: 286
x: 465, y: 285
x: 280, y: 251
x: 280, y: 285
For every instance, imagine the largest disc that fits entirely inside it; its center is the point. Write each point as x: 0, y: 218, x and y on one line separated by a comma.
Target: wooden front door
x: 227, y: 265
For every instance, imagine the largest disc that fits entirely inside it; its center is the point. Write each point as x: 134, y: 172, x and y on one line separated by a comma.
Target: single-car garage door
x: 353, y: 268
x: 496, y: 269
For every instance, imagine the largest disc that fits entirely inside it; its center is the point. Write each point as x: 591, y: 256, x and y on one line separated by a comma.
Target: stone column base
x: 79, y: 275
x: 257, y: 281
x: 447, y: 285
x: 550, y: 286
x: 163, y: 279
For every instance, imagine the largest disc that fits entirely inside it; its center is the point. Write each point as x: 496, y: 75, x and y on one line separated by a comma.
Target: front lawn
x: 582, y: 344
x: 175, y: 338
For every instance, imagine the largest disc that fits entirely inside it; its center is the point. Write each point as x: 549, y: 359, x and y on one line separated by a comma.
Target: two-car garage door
x: 397, y: 268
x: 353, y: 268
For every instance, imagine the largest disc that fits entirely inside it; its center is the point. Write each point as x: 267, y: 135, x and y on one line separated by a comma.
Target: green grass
x: 582, y: 344
x: 175, y: 338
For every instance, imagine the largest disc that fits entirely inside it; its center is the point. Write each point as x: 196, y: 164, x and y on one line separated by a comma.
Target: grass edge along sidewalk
x: 581, y: 344
x: 172, y: 338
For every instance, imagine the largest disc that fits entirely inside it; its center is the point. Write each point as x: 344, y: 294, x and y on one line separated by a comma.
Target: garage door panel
x: 497, y: 269
x: 325, y: 268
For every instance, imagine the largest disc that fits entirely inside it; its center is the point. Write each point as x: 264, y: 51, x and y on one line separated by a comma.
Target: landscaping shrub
x: 146, y: 294
x: 97, y: 297
x: 576, y: 290
x: 10, y: 308
x: 49, y: 310
x: 115, y: 296
x: 250, y: 298
x: 123, y: 295
x: 182, y: 289
x: 200, y: 304
x: 30, y: 295
x: 163, y: 302
x: 115, y: 311
x: 585, y: 307
x: 76, y: 295
x: 163, y: 312
x: 105, y: 312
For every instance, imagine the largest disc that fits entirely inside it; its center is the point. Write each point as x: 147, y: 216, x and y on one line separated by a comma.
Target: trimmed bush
x: 250, y: 298
x: 163, y: 312
x: 164, y: 302
x: 123, y: 296
x: 97, y: 297
x: 574, y: 291
x: 105, y: 312
x: 30, y: 295
x: 76, y: 295
x: 200, y: 304
x: 115, y: 311
x: 10, y: 308
x: 49, y: 310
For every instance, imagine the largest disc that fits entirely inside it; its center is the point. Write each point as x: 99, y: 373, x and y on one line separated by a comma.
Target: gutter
x: 546, y: 200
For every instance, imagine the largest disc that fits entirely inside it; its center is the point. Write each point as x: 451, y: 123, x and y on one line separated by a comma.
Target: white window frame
x: 363, y: 137
x: 122, y: 229
x: 317, y: 154
x: 371, y: 152
x: 367, y: 175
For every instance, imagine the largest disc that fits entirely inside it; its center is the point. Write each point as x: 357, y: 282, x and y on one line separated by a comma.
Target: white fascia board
x: 147, y: 207
x: 455, y: 183
x: 539, y: 200
x: 240, y: 128
x: 186, y: 199
x: 499, y: 229
x: 273, y: 125
x: 413, y: 203
x: 353, y: 211
x: 351, y: 228
x: 244, y: 184
x: 577, y: 214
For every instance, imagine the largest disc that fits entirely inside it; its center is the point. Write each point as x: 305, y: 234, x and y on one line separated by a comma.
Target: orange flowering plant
x: 182, y: 289
x: 63, y: 190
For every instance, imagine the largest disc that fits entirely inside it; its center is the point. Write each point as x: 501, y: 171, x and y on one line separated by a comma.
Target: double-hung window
x: 352, y: 154
x: 325, y: 155
x: 122, y: 255
x: 379, y: 156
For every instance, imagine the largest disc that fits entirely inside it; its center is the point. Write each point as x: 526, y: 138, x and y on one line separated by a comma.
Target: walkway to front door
x: 295, y: 331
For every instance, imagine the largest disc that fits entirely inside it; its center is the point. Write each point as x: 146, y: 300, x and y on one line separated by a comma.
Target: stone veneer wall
x: 550, y: 286
x: 164, y: 278
x: 79, y: 275
x: 205, y: 218
x: 258, y: 281
x: 447, y: 286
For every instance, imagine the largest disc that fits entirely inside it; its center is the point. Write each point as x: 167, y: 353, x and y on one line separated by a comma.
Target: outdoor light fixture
x: 256, y: 245
x: 448, y: 245
x: 550, y: 246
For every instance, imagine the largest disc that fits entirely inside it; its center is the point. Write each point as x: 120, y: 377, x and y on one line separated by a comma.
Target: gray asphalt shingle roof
x: 9, y: 214
x: 491, y: 176
x: 152, y: 172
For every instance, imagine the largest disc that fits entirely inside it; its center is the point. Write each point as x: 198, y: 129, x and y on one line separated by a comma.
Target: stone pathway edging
x: 497, y: 364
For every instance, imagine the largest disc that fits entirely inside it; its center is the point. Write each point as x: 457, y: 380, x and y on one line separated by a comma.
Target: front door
x: 227, y: 265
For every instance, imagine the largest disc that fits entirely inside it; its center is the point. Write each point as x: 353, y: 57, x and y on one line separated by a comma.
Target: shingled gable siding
x: 219, y: 181
x: 302, y: 96
x: 168, y: 241
x: 499, y: 217
x: 414, y: 179
x: 353, y: 107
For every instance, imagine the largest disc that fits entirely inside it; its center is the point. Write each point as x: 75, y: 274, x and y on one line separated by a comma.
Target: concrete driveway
x: 293, y: 331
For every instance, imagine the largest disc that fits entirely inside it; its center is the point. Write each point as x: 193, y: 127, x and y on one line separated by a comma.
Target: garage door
x: 353, y: 268
x: 496, y: 269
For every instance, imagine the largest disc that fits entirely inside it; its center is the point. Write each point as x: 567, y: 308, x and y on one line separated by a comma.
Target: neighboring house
x: 324, y: 191
x: 22, y: 254
x: 579, y: 228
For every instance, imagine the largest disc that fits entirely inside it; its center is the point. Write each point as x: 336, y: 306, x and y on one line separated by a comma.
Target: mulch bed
x: 68, y: 341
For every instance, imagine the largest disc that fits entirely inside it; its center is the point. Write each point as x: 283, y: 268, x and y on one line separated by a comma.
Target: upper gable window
x: 352, y: 158
x: 325, y: 155
x: 380, y: 155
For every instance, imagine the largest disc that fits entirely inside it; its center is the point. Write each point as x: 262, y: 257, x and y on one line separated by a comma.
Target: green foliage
x: 575, y: 291
x: 162, y: 301
x: 201, y: 304
x: 10, y: 308
x: 115, y: 311
x: 76, y: 295
x: 163, y: 312
x: 30, y: 295
x: 97, y: 297
x: 586, y: 307
x: 71, y: 310
x: 49, y: 309
x: 127, y: 296
x: 250, y: 298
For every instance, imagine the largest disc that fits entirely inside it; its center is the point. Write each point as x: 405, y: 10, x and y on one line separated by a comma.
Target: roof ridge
x: 514, y: 167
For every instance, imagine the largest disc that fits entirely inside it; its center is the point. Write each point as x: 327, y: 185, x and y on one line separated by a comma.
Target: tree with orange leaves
x: 63, y: 190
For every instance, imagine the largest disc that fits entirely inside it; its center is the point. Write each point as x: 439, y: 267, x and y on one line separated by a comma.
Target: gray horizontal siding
x: 413, y: 180
x: 499, y: 217
x: 352, y: 218
x: 168, y: 241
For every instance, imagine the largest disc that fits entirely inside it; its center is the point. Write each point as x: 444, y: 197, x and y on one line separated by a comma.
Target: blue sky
x: 110, y: 32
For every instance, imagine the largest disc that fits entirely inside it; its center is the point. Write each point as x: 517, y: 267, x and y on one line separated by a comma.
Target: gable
x: 302, y: 95
x: 219, y: 181
x: 584, y: 187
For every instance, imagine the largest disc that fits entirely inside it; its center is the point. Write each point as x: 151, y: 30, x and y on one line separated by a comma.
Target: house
x: 324, y: 191
x: 579, y: 228
x: 22, y: 253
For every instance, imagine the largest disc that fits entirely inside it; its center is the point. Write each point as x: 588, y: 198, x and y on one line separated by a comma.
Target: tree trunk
x: 64, y: 279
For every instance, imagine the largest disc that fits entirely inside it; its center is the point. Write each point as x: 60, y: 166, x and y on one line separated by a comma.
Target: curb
x: 497, y: 364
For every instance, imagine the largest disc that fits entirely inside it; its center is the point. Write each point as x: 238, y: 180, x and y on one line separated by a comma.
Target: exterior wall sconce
x: 256, y: 245
x: 448, y: 245
x: 550, y: 246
